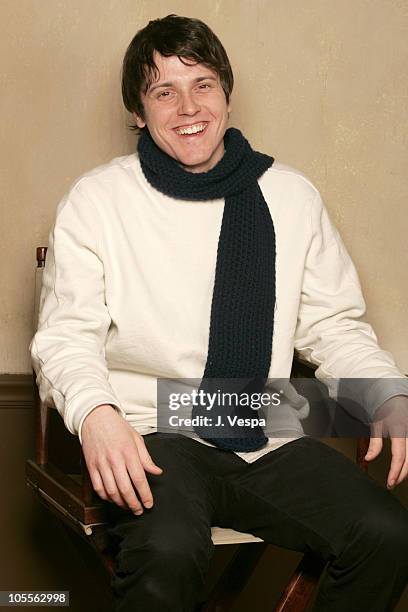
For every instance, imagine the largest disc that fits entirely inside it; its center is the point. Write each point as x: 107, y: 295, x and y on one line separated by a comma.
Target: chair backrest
x: 41, y: 255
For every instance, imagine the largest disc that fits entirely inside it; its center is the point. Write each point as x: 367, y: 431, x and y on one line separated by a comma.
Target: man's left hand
x: 391, y: 420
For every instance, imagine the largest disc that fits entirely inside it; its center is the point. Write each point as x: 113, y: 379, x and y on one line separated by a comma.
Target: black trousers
x: 304, y: 496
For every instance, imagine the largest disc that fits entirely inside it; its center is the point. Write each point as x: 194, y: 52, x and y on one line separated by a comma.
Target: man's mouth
x: 188, y: 130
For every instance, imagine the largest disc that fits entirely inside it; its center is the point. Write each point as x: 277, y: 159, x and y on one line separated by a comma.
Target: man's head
x: 177, y: 81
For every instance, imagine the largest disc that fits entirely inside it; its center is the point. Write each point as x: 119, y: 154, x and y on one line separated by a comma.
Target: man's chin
x: 194, y: 165
x: 187, y: 161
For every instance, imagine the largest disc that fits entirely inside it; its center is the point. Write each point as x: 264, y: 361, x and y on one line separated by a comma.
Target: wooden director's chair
x: 59, y: 476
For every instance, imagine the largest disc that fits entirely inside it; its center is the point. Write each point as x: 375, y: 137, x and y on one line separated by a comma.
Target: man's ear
x: 139, y: 121
x: 229, y: 107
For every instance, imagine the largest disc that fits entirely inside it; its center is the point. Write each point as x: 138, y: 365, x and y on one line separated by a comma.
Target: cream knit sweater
x: 127, y: 290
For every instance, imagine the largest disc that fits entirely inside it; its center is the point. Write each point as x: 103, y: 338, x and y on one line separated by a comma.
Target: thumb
x: 374, y: 449
x: 145, y: 458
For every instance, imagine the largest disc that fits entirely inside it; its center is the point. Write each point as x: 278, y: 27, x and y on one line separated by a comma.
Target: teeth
x: 192, y: 129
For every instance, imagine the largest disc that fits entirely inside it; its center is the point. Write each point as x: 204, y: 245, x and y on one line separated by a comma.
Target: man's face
x: 186, y: 113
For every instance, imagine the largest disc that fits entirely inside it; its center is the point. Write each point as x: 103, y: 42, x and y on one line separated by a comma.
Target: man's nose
x: 188, y: 105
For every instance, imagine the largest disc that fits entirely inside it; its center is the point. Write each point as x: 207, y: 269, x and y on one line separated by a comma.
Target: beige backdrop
x: 320, y: 85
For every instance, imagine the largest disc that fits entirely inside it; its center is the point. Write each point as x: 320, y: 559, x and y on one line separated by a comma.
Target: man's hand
x: 391, y: 419
x: 116, y: 457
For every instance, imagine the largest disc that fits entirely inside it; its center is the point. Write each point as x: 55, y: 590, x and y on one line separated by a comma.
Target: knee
x: 171, y: 554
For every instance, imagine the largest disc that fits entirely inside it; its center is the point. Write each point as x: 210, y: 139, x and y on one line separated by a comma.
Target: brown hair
x: 185, y: 37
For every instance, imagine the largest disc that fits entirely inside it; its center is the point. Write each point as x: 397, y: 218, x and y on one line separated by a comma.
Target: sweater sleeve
x: 331, y: 332
x: 68, y: 348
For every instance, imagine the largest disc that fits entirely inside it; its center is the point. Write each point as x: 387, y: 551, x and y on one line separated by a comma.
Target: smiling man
x: 199, y: 258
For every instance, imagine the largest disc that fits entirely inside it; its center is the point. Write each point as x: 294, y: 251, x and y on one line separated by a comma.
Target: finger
x: 377, y: 428
x: 374, y: 448
x: 404, y: 470
x: 97, y: 484
x: 145, y: 458
x: 126, y: 489
x: 109, y: 483
x: 138, y: 477
x: 398, y: 458
x: 397, y: 427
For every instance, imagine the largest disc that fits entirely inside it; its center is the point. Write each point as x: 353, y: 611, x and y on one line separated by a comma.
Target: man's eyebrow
x: 170, y: 84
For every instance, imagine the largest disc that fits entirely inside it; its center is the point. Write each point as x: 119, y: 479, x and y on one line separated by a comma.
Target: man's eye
x: 164, y: 94
x: 204, y: 86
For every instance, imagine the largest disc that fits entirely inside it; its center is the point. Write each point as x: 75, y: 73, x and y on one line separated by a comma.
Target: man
x: 198, y: 258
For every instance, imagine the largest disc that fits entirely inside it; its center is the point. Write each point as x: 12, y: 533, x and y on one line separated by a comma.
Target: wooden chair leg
x: 302, y: 585
x: 97, y: 540
x: 234, y: 577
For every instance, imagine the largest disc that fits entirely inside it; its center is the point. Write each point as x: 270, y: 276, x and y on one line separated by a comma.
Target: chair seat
x: 223, y: 535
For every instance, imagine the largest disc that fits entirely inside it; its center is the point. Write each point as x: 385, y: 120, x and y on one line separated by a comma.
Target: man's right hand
x: 116, y: 457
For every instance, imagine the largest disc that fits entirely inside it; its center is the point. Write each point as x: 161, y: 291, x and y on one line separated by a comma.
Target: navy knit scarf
x: 243, y: 301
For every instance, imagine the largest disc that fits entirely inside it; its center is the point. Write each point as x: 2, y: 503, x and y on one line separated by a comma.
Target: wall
x: 321, y: 86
